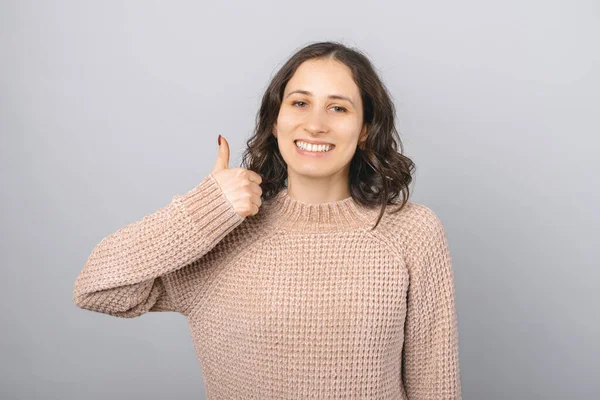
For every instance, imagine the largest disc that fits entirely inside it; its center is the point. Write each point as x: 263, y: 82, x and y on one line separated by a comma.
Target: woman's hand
x: 241, y: 186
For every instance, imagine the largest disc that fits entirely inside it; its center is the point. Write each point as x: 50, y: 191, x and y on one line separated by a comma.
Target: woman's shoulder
x: 412, y: 216
x: 412, y: 225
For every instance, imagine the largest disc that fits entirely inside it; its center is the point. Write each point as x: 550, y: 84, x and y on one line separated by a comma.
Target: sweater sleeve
x: 126, y: 273
x: 430, y: 353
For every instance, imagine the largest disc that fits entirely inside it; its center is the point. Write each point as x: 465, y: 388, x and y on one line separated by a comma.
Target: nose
x: 316, y: 120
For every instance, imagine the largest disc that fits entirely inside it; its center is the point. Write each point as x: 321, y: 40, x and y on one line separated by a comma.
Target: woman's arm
x: 125, y: 275
x: 430, y: 365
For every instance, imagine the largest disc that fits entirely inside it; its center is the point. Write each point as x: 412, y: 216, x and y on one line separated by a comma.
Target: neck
x: 313, y: 190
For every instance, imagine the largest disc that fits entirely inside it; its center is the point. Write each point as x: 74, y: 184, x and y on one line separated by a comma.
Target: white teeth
x: 313, y: 147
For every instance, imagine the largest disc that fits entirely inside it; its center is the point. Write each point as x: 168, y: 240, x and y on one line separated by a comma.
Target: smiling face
x: 321, y: 103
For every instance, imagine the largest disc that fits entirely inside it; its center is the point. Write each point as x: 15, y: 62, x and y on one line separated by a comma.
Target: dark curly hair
x: 378, y: 172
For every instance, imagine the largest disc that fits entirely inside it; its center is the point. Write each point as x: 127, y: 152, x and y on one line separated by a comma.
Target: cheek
x: 349, y: 125
x: 287, y: 119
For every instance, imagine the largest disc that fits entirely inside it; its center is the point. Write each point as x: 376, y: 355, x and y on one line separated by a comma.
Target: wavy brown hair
x: 379, y: 173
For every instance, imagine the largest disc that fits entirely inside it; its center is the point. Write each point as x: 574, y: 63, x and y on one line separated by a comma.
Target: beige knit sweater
x: 300, y: 301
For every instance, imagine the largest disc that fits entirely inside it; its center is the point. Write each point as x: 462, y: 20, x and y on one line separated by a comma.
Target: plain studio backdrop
x: 108, y: 109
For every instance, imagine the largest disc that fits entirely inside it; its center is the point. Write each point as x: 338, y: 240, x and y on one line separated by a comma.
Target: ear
x: 363, y: 136
x: 274, y: 132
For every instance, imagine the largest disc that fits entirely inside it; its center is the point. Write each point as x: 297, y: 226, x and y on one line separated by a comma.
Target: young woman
x: 297, y: 279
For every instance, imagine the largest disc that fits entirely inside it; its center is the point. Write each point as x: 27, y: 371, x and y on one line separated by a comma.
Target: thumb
x: 223, y: 156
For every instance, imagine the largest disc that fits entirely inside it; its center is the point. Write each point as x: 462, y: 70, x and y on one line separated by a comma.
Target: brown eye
x: 296, y: 102
x: 341, y: 108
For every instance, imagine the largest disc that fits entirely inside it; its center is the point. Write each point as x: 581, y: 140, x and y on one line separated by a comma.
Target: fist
x: 241, y: 186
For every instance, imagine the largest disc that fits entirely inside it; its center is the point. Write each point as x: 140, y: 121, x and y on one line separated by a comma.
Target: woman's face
x: 321, y: 103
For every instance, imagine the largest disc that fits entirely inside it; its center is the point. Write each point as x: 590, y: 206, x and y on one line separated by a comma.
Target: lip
x: 314, y: 141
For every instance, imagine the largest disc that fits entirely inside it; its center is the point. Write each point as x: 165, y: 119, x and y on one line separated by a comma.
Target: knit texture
x: 298, y: 301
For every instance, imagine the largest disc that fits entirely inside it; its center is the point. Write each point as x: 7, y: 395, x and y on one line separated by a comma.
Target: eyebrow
x: 331, y: 96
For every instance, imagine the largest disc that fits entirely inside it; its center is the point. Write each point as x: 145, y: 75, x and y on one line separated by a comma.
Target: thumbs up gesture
x: 241, y: 186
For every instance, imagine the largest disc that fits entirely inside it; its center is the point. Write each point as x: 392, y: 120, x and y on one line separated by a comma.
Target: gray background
x: 107, y: 109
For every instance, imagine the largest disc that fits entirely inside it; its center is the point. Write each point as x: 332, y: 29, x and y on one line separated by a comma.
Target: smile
x: 307, y: 147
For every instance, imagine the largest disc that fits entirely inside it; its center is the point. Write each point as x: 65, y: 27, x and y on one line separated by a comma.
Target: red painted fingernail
x: 219, y: 140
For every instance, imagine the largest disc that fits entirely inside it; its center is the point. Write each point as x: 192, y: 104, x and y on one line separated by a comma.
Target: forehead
x: 324, y: 77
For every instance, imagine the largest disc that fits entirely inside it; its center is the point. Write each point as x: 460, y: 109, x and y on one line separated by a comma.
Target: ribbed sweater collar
x: 291, y: 214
